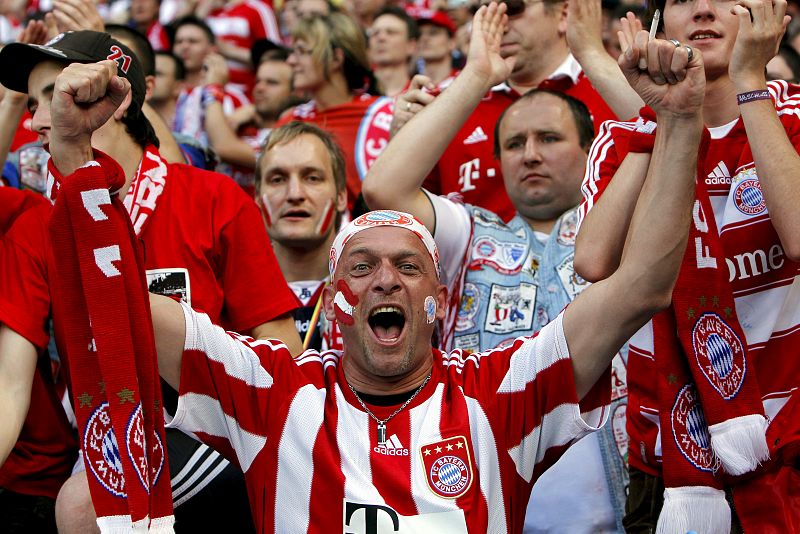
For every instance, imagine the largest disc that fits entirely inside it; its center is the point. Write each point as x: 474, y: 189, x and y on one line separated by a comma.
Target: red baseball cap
x: 435, y: 17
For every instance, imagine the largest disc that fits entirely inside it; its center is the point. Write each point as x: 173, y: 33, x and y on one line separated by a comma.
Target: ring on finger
x: 675, y: 42
x: 408, y: 106
x: 691, y: 53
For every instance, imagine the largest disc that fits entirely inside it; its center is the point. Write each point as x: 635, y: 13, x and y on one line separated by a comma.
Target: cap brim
x: 17, y: 60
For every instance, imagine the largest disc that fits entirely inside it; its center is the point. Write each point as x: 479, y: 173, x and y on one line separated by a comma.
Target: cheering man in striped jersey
x: 390, y: 435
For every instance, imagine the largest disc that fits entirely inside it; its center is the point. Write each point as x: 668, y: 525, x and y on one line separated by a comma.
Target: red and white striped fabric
x: 765, y: 283
x: 462, y: 457
x: 242, y: 24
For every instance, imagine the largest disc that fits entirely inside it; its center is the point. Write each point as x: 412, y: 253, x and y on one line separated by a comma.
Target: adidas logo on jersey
x: 393, y: 447
x: 477, y: 136
x: 720, y: 175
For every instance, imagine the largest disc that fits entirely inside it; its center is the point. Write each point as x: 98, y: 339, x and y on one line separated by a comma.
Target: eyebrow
x: 517, y: 135
x: 303, y: 170
x: 46, y: 92
x: 400, y: 255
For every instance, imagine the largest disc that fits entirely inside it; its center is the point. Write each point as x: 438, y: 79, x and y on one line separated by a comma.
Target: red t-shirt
x: 468, y: 166
x: 361, y: 127
x: 205, y: 242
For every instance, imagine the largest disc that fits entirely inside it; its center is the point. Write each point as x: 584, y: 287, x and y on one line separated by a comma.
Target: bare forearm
x: 224, y: 140
x: 282, y: 328
x: 233, y: 52
x: 169, y: 328
x: 395, y: 178
x: 607, y: 78
x: 600, y: 242
x: 778, y: 167
x: 11, y: 109
x: 17, y: 367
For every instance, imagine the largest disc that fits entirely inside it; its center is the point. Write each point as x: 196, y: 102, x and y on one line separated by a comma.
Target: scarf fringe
x: 694, y: 508
x: 740, y: 443
x: 162, y: 525
x: 122, y: 524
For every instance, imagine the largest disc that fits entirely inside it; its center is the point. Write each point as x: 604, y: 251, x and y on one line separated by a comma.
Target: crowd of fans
x: 270, y: 125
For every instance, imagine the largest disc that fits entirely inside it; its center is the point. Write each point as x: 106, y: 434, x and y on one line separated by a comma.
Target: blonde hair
x: 325, y: 34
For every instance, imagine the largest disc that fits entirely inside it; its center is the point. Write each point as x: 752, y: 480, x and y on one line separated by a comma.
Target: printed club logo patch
x: 468, y: 308
x: 720, y: 354
x: 137, y: 450
x: 503, y: 257
x: 102, y: 452
x: 447, y: 466
x: 748, y: 197
x: 380, y: 218
x: 691, y: 432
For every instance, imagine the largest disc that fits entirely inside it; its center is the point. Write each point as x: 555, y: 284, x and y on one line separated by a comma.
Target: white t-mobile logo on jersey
x: 469, y: 172
x: 393, y: 447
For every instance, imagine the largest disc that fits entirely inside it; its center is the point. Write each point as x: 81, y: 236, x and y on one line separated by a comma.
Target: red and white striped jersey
x: 461, y: 457
x: 765, y: 283
x: 242, y: 24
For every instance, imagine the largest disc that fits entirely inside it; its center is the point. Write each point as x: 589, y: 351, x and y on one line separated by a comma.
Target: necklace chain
x: 382, y: 423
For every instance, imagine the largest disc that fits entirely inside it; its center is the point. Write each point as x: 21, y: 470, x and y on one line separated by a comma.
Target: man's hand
x: 38, y: 31
x: 670, y: 83
x: 216, y: 70
x: 585, y: 27
x: 419, y: 94
x: 85, y: 97
x: 74, y: 15
x: 757, y: 41
x: 484, y: 59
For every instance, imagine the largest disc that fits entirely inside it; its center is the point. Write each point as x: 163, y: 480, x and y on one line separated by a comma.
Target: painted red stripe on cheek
x: 341, y: 315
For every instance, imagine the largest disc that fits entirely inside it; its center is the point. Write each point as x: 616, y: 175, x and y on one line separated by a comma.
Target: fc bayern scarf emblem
x: 448, y: 469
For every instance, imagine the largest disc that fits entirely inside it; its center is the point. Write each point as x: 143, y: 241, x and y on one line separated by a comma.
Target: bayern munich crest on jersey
x: 448, y: 469
x: 747, y: 196
x: 690, y: 430
x: 137, y: 450
x: 102, y: 452
x: 720, y: 354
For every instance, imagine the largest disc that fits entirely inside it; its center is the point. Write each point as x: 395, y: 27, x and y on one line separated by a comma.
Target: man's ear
x: 341, y: 200
x: 562, y: 18
x: 149, y: 83
x: 124, y: 106
x: 441, y: 302
x: 327, y: 302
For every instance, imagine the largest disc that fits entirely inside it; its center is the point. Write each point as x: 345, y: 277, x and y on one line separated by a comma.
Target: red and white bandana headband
x: 377, y: 218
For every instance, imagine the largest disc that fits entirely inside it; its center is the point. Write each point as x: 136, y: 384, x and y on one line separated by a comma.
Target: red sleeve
x: 254, y: 287
x: 13, y: 202
x: 603, y: 161
x: 24, y: 291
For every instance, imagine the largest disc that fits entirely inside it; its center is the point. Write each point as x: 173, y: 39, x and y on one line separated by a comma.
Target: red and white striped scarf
x: 710, y: 408
x: 111, y: 350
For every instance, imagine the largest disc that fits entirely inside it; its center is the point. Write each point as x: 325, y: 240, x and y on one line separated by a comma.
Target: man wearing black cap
x: 199, y: 231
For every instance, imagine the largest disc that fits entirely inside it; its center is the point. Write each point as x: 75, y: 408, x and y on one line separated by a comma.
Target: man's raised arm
x: 395, y: 179
x: 608, y: 313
